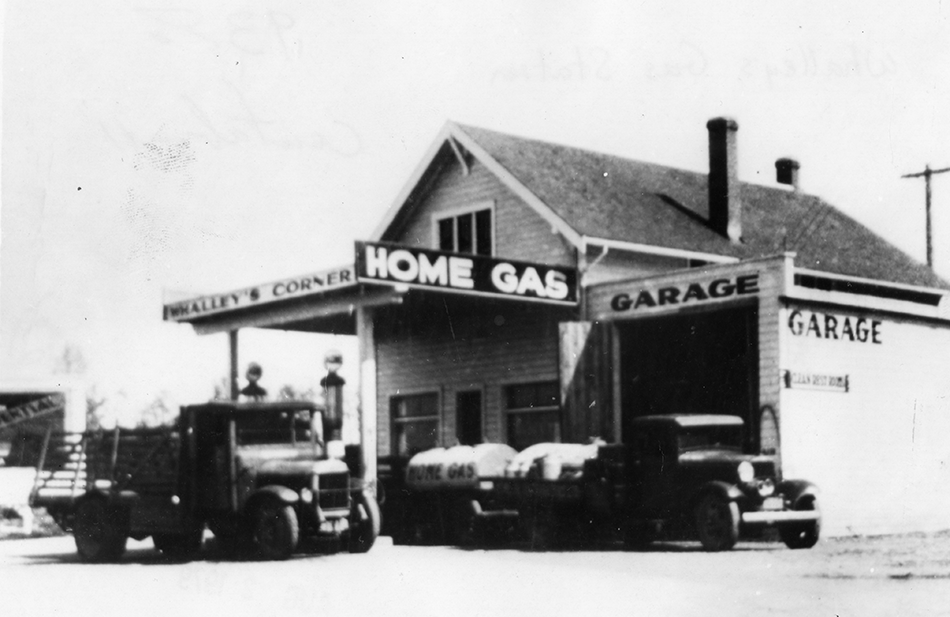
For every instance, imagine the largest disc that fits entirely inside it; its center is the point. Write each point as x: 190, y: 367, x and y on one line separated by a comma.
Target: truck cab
x: 258, y: 475
x: 689, y: 471
x: 678, y: 475
x: 262, y: 476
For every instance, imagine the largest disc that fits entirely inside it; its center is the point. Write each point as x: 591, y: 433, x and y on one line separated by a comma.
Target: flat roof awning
x: 324, y: 301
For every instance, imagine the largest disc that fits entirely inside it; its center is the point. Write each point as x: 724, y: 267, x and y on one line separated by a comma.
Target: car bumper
x: 776, y: 517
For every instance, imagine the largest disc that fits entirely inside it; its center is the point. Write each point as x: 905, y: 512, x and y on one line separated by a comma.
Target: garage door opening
x: 703, y: 362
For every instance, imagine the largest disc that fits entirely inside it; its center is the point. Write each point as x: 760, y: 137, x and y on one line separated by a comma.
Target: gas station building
x: 519, y: 291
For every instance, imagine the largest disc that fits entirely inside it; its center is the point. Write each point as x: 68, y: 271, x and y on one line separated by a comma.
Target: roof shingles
x: 613, y: 198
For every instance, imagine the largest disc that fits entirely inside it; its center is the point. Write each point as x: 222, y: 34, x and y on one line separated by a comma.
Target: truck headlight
x: 336, y: 449
x: 746, y: 472
x: 306, y: 495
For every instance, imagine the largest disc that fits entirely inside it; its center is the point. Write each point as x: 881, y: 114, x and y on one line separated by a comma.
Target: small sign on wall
x: 815, y: 381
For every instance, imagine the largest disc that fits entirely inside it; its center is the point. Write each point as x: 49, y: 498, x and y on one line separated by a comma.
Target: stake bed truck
x: 256, y: 474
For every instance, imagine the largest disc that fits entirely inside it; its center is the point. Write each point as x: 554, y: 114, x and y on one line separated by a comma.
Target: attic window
x: 465, y: 231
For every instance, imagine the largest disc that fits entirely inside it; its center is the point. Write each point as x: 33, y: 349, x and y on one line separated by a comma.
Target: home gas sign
x: 464, y: 273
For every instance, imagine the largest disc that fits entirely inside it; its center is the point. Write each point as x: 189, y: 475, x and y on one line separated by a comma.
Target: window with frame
x: 415, y: 420
x: 533, y: 413
x: 466, y: 232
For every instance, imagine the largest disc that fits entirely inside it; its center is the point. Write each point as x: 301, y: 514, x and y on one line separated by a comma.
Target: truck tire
x: 275, y: 530
x: 99, y: 531
x: 365, y: 523
x: 802, y: 535
x: 717, y: 523
x: 179, y: 546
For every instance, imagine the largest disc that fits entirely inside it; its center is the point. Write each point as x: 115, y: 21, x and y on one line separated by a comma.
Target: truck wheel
x: 179, y: 546
x: 802, y: 535
x: 276, y: 531
x: 365, y: 522
x: 717, y: 523
x: 99, y: 531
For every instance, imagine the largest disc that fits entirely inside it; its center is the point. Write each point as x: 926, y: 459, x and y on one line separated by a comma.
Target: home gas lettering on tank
x: 433, y: 469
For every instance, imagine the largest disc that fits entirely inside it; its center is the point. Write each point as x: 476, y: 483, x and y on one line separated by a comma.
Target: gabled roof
x: 589, y: 196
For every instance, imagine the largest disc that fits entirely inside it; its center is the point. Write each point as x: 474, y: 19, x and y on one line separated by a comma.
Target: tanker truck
x: 681, y: 476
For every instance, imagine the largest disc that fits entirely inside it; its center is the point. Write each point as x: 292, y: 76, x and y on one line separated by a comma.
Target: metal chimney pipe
x: 786, y: 172
x: 725, y: 205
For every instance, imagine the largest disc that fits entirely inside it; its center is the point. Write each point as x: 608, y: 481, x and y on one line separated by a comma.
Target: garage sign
x: 463, y: 273
x: 696, y: 292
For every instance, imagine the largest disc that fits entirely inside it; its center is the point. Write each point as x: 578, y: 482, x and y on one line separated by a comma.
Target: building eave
x: 651, y: 249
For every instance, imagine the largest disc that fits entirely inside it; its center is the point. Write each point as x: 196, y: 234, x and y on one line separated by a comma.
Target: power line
x: 926, y: 173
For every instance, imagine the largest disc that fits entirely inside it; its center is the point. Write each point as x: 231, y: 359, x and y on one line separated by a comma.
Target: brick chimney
x: 786, y: 172
x: 725, y: 205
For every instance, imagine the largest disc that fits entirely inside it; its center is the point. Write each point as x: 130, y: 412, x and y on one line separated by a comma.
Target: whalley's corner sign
x: 470, y: 274
x: 300, y: 286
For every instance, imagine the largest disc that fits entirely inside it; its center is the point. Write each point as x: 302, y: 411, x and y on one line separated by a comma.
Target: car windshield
x: 702, y: 437
x: 279, y: 428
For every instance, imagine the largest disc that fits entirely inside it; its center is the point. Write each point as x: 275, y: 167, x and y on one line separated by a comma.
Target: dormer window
x: 466, y: 230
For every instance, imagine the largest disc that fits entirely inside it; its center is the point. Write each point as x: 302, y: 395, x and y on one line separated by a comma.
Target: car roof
x: 688, y: 419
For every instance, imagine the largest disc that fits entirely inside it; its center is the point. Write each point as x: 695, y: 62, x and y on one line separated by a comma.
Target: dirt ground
x: 905, y: 575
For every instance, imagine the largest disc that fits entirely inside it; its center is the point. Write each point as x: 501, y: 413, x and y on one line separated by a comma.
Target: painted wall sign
x: 300, y: 286
x: 474, y: 274
x: 835, y: 327
x: 687, y: 293
x: 815, y: 381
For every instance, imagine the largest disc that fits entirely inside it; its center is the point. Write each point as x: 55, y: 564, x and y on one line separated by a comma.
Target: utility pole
x: 926, y: 173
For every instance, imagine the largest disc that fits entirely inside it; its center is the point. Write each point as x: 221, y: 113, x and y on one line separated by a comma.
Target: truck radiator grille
x: 334, y: 491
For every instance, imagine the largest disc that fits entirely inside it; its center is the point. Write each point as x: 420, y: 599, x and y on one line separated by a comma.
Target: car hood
x: 285, y: 464
x: 713, y: 455
x: 722, y: 459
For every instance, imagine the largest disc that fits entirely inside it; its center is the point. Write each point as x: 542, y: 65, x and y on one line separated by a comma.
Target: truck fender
x: 89, y: 495
x: 797, y: 491
x: 283, y: 494
x: 729, y: 492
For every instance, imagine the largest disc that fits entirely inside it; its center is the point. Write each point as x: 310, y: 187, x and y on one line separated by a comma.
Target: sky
x: 153, y: 151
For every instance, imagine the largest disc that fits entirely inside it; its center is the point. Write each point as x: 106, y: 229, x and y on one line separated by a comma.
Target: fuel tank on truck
x: 458, y: 467
x: 551, y: 461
